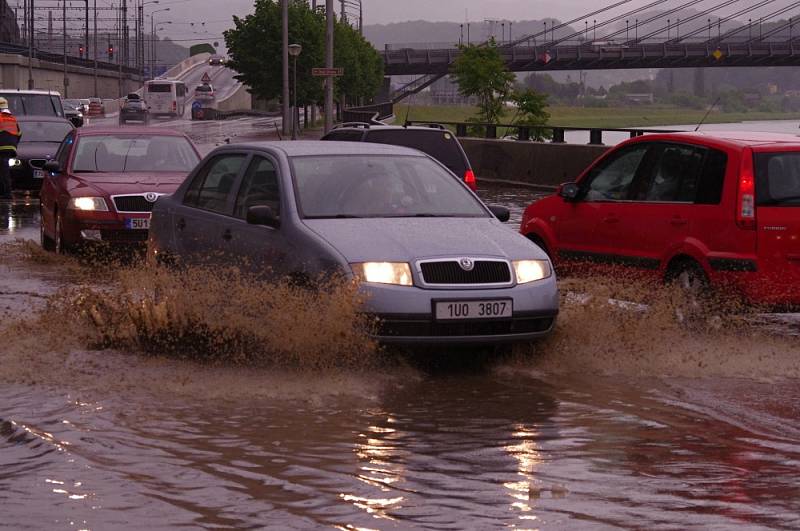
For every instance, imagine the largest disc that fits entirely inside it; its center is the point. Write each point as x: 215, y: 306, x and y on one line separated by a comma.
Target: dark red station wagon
x: 718, y: 208
x: 103, y: 183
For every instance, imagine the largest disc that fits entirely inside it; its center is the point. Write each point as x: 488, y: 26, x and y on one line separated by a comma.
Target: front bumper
x: 406, y: 314
x: 107, y: 227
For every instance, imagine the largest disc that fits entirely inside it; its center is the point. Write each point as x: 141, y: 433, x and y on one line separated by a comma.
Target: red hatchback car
x: 703, y: 208
x: 103, y: 183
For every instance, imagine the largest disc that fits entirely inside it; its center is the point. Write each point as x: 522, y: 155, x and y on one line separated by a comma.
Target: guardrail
x: 532, y: 132
x: 369, y: 113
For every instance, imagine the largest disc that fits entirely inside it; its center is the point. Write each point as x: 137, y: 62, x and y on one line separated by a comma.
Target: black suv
x: 432, y: 139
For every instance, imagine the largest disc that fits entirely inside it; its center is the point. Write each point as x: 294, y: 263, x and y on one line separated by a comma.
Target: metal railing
x: 59, y: 59
x: 555, y: 133
x: 369, y: 113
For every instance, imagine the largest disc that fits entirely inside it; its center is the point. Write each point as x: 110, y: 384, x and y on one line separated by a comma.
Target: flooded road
x: 616, y: 421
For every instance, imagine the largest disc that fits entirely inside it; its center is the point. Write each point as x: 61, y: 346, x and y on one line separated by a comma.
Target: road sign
x: 206, y: 78
x: 327, y: 72
x: 717, y: 54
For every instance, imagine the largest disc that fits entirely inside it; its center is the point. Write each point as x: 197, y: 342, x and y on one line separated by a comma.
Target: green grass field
x: 608, y: 118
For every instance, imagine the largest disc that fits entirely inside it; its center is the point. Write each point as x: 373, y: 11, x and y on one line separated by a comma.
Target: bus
x: 165, y: 97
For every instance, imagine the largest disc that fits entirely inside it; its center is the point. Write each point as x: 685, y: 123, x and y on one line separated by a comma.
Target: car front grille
x: 132, y: 203
x: 124, y: 236
x: 37, y: 163
x: 399, y: 328
x: 450, y: 272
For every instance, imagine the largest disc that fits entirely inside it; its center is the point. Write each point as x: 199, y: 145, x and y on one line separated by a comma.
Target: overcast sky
x: 187, y: 16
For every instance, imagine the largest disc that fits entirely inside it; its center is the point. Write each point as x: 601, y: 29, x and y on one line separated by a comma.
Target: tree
x: 531, y: 111
x: 363, y: 65
x: 255, y: 49
x: 481, y: 72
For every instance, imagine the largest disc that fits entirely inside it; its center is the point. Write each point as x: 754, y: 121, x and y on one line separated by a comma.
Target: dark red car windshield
x: 128, y: 153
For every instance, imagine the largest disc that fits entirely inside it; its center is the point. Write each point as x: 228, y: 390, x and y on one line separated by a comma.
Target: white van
x: 165, y: 97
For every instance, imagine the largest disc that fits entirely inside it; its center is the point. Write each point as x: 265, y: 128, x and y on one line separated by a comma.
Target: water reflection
x: 19, y: 217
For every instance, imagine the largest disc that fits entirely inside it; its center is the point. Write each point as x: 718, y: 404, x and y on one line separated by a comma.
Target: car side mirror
x: 52, y: 166
x: 569, y: 191
x: 262, y: 215
x: 500, y: 212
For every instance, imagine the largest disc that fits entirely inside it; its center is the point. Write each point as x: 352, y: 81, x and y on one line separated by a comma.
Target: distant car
x: 433, y: 140
x: 436, y: 264
x: 216, y: 60
x: 134, y: 110
x: 73, y: 111
x: 703, y: 210
x: 103, y: 183
x: 33, y: 102
x: 41, y: 138
x: 204, y: 92
x: 85, y: 105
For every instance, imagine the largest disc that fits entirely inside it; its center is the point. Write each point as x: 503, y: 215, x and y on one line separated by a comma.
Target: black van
x: 432, y: 139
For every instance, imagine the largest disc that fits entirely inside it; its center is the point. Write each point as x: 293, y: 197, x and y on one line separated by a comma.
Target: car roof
x: 25, y: 91
x: 377, y: 127
x: 330, y: 148
x: 729, y: 139
x: 132, y: 130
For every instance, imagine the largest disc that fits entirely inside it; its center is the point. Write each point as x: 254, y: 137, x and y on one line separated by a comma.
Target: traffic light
x: 80, y: 52
x: 110, y: 52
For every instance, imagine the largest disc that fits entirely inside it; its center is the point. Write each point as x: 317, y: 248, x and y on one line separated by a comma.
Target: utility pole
x: 64, y: 29
x: 285, y: 58
x: 29, y: 25
x: 329, y: 64
x: 314, y: 104
x: 96, y: 94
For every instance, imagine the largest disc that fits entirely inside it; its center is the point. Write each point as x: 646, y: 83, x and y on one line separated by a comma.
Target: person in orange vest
x: 9, y: 139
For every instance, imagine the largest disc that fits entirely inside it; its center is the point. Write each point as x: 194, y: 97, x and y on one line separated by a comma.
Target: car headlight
x: 88, y: 203
x: 14, y: 162
x: 398, y: 273
x: 531, y: 270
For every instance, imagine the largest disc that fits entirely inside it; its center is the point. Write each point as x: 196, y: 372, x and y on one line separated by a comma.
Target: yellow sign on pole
x: 717, y: 54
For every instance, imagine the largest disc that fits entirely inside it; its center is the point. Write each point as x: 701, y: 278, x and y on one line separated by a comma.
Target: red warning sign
x: 206, y: 78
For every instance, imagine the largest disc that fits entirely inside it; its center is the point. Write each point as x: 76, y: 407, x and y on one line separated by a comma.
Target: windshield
x: 43, y: 131
x: 380, y: 186
x: 41, y: 104
x: 121, y: 153
x: 778, y: 178
x: 159, y: 87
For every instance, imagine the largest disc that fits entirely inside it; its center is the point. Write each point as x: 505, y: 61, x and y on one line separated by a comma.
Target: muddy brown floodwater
x: 622, y: 419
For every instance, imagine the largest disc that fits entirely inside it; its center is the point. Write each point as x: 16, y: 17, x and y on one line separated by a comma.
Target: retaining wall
x: 50, y: 76
x: 536, y: 163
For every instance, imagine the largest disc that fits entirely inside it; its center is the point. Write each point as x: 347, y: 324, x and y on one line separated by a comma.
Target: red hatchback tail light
x: 746, y: 193
x: 469, y: 179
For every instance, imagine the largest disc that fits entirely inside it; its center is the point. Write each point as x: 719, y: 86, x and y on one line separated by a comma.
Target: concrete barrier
x: 240, y: 100
x: 535, y: 163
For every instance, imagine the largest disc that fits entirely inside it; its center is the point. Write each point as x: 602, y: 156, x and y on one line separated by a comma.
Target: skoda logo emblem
x: 466, y: 264
x: 151, y: 196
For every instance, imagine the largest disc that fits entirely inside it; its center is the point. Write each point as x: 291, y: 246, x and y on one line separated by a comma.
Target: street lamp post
x: 153, y: 52
x: 285, y: 65
x: 64, y: 29
x: 294, y: 51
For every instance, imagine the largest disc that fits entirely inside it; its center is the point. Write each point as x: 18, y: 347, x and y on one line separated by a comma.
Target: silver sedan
x: 438, y: 265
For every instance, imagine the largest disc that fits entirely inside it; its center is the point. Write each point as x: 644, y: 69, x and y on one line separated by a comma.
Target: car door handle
x: 678, y: 222
x: 227, y: 236
x: 611, y: 219
x: 181, y: 224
